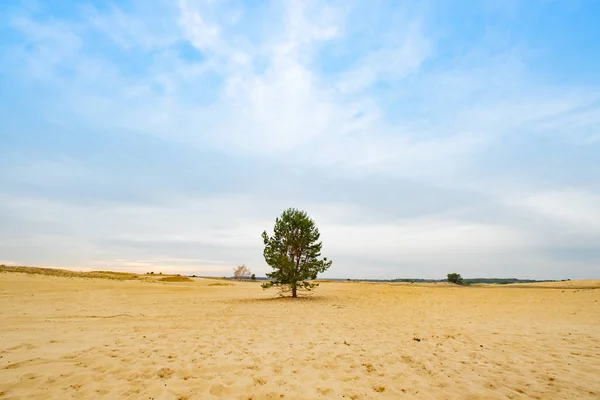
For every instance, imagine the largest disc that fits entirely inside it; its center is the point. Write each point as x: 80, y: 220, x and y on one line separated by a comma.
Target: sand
x: 64, y: 338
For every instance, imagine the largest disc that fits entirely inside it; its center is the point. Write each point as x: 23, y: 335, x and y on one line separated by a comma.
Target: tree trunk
x: 294, y: 293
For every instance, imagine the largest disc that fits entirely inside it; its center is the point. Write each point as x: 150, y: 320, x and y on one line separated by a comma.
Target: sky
x: 423, y: 137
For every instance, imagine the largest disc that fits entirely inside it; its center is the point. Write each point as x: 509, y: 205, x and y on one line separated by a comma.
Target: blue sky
x: 424, y: 137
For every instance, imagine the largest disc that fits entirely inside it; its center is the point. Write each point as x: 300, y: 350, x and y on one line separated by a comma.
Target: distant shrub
x: 455, y: 278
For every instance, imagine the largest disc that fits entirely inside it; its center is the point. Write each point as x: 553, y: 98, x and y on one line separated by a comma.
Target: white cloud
x: 592, y: 139
x: 202, y: 35
x: 389, y: 63
x: 412, y: 239
x: 128, y: 31
x: 53, y: 43
x: 575, y: 209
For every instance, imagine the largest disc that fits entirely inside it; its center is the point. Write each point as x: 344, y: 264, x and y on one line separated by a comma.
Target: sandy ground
x: 66, y: 338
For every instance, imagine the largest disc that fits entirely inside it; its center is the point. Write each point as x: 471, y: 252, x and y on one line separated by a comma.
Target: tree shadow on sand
x: 310, y: 299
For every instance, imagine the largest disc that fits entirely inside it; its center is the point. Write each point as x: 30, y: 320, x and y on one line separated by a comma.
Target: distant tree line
x: 500, y: 281
x: 459, y: 279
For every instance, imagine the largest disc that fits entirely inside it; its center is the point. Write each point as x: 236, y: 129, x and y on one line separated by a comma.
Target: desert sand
x: 64, y: 338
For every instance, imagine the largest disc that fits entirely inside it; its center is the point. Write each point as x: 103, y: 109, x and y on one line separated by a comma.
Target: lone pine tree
x: 294, y: 253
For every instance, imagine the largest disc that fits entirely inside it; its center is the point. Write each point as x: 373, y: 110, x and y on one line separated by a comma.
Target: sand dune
x: 66, y: 338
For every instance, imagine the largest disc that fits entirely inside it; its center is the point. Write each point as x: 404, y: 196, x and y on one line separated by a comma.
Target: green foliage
x: 294, y: 253
x: 455, y: 278
x: 253, y: 277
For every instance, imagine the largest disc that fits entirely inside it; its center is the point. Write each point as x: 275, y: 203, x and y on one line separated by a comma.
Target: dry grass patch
x: 64, y: 273
x: 176, y: 279
x: 260, y: 381
x: 221, y: 284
